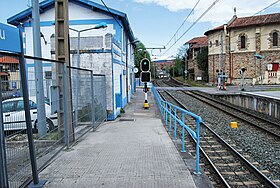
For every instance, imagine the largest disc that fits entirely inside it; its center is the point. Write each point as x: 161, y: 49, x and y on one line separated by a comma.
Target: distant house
x: 195, y: 46
x: 243, y: 38
x: 9, y: 72
x: 163, y: 66
x: 108, y: 51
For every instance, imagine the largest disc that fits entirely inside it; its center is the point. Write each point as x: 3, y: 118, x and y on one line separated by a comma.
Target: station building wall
x: 105, y: 51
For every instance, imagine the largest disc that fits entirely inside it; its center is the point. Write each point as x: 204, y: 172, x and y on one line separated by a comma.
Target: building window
x: 216, y: 43
x: 275, y: 39
x: 210, y: 44
x: 243, y: 42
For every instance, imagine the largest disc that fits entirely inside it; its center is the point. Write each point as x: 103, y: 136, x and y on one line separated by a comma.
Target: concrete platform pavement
x: 133, y: 151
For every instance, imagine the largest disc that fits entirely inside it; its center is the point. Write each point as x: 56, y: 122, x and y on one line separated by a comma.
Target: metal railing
x: 91, y: 112
x: 169, y: 113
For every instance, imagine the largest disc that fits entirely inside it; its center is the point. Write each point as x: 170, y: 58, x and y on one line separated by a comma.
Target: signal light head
x: 145, y: 65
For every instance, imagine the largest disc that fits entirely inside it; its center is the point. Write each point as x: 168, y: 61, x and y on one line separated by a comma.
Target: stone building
x: 195, y: 46
x: 235, y: 44
x: 9, y: 72
x: 108, y: 51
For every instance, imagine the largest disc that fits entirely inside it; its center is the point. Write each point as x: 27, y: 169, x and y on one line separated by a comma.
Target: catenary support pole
x: 40, y: 99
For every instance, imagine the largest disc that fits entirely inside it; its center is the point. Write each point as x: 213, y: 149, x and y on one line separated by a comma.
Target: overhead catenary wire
x: 267, y: 7
x: 196, y: 21
x: 111, y: 13
x: 183, y: 22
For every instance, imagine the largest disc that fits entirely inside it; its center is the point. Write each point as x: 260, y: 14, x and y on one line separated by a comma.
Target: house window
x: 216, y: 43
x: 243, y: 42
x: 275, y: 39
x: 210, y: 44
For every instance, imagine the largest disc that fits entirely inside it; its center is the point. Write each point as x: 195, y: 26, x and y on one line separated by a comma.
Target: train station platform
x: 133, y: 151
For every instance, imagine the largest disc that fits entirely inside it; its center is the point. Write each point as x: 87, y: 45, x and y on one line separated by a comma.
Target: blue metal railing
x: 169, y: 113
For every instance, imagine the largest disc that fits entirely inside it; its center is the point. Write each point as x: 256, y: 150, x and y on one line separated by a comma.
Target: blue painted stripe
x: 117, y: 42
x: 117, y: 38
x: 116, y: 61
x: 124, y: 102
x: 116, y: 52
x: 113, y: 86
x: 44, y: 65
x: 73, y: 22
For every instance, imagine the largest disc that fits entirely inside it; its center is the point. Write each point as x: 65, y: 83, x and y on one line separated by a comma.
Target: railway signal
x: 145, y: 77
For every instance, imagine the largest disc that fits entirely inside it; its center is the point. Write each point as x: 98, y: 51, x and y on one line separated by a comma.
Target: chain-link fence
x: 85, y: 105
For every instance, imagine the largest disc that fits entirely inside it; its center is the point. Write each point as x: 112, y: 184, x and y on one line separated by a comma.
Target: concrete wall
x: 260, y: 104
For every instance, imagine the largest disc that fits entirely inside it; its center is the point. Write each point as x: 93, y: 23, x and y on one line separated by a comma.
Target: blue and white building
x: 108, y: 51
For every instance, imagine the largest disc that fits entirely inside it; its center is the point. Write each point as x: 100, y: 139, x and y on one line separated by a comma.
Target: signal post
x: 145, y: 76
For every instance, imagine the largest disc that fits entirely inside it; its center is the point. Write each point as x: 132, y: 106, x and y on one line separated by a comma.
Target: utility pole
x: 221, y: 61
x: 62, y: 52
x: 40, y: 98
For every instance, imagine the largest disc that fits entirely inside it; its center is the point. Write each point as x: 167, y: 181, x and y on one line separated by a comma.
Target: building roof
x: 48, y: 4
x: 8, y: 59
x: 255, y: 20
x: 221, y: 27
x: 249, y: 21
x: 198, y: 42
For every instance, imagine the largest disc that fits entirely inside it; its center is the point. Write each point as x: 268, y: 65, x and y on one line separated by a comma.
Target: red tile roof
x: 249, y: 21
x: 255, y: 20
x: 7, y: 59
x: 221, y: 27
x: 198, y: 42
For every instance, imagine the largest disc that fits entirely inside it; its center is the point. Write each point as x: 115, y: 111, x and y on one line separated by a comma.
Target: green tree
x: 202, y: 62
x: 179, y: 67
x: 140, y: 53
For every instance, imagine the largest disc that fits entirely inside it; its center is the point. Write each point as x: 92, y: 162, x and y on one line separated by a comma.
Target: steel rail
x: 243, y: 119
x: 244, y: 161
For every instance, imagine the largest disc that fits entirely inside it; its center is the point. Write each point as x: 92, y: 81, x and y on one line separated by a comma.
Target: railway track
x: 238, y: 176
x: 230, y: 167
x: 269, y: 126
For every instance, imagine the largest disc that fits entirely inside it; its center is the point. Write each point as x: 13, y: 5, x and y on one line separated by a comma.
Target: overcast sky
x: 154, y: 22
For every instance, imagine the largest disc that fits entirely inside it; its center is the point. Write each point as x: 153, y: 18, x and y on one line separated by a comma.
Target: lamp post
x: 258, y: 56
x: 126, y: 69
x: 99, y: 26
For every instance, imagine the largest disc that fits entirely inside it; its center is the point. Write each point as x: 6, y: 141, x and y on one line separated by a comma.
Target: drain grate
x: 125, y: 119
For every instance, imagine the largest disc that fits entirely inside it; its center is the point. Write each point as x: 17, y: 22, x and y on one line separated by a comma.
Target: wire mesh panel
x: 99, y: 94
x: 17, y: 151
x: 14, y: 123
x: 83, y: 101
x: 88, y: 98
x: 81, y: 98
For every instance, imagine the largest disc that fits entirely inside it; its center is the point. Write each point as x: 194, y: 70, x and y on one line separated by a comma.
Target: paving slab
x: 133, y: 151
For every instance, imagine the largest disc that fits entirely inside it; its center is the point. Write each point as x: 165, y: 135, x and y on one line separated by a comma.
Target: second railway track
x: 235, y: 172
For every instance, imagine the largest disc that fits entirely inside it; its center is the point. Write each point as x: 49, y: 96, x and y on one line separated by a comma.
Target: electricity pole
x: 62, y: 52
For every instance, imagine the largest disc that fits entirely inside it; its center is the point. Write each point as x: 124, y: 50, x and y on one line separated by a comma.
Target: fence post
x: 3, y: 164
x: 92, y: 102
x: 175, y: 124
x: 66, y: 118
x: 183, y: 133
x: 197, y: 146
x: 170, y: 118
x: 29, y: 132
